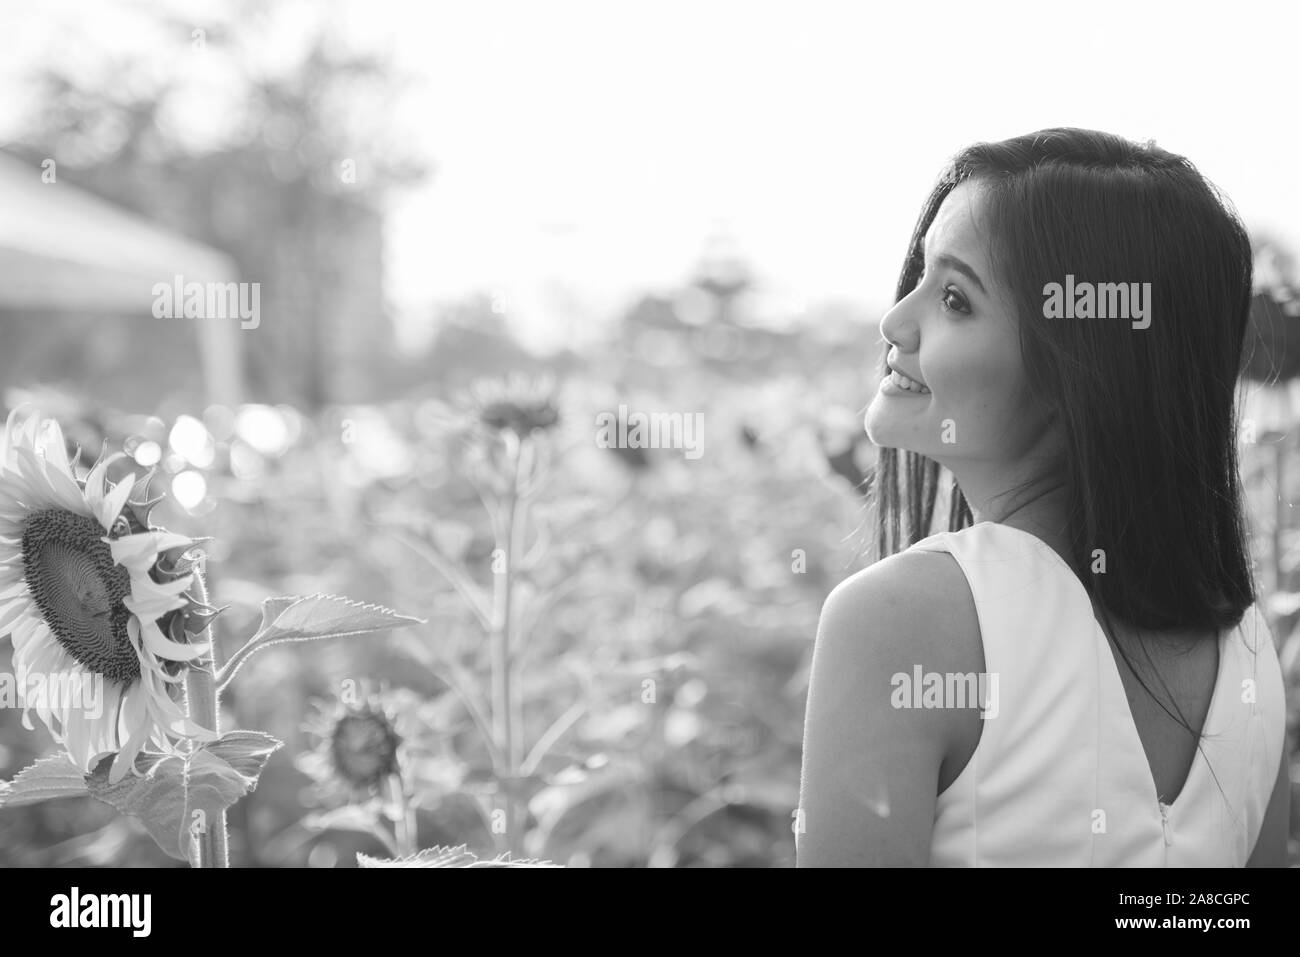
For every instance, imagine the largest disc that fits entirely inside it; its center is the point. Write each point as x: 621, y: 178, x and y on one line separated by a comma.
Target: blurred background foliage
x: 662, y: 609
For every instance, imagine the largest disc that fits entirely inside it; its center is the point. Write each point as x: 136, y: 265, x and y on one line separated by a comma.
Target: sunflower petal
x: 14, y: 426
x: 112, y: 505
x: 163, y: 647
x: 9, y: 614
x: 14, y: 591
x: 139, y: 552
x: 153, y: 601
x: 96, y: 479
x: 136, y: 725
x: 54, y: 449
x: 168, y: 715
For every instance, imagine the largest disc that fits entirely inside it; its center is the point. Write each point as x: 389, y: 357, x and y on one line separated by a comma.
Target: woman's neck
x: 1027, y: 492
x: 1036, y: 506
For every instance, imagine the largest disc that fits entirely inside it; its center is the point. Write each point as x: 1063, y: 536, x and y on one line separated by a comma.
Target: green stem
x: 203, y: 702
x: 504, y: 708
x: 518, y: 523
x: 404, y: 828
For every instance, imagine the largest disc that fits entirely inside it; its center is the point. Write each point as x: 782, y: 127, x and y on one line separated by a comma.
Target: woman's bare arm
x: 871, y: 770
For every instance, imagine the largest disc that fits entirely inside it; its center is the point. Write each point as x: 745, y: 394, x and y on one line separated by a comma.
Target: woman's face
x: 955, y: 336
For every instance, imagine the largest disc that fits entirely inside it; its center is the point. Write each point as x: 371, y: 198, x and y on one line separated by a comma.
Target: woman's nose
x: 898, y: 328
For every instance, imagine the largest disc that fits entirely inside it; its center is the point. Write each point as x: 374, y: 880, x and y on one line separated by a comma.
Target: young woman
x: 1075, y: 673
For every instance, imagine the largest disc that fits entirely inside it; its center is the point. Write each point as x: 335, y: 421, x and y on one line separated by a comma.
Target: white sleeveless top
x: 1059, y: 777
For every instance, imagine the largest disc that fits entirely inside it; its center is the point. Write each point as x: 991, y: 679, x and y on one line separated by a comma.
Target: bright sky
x: 587, y: 150
x: 600, y: 144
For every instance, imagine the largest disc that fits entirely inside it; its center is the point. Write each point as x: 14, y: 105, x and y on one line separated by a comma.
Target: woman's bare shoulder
x: 911, y: 609
x: 919, y: 600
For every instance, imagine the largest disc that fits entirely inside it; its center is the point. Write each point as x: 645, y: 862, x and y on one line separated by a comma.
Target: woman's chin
x: 881, y: 425
x: 885, y: 431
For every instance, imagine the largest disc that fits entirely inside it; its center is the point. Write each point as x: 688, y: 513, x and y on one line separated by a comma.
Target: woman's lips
x: 897, y: 383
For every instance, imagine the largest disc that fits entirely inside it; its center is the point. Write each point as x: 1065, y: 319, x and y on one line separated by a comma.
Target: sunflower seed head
x: 517, y: 405
x: 79, y: 590
x: 363, y: 746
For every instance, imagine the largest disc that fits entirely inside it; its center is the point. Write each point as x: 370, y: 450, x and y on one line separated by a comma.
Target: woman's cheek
x: 971, y: 401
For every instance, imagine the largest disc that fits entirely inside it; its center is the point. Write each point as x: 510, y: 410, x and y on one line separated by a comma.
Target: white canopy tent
x: 63, y: 248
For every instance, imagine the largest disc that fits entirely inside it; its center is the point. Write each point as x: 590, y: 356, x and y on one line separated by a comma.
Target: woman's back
x: 1070, y: 767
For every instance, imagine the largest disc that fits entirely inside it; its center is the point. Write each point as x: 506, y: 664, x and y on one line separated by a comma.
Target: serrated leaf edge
x: 459, y: 850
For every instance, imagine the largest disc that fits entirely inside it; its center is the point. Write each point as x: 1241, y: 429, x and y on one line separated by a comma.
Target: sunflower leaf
x: 52, y: 777
x: 156, y: 797
x: 310, y: 618
x: 176, y: 796
x: 459, y: 856
x: 324, y: 616
x: 245, y: 751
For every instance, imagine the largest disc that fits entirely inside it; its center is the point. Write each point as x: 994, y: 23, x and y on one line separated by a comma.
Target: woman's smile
x: 895, y: 383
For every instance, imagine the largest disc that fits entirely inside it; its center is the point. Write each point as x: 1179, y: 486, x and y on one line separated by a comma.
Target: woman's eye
x: 954, y: 300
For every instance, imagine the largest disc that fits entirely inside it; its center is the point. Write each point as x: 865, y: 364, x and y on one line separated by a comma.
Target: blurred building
x: 77, y: 279
x: 77, y: 275
x: 326, y: 335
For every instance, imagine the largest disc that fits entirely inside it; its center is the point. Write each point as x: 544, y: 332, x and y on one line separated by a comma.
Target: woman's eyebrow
x: 952, y: 262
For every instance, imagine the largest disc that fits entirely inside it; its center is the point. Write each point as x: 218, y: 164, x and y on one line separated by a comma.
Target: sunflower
x: 92, y: 595
x: 518, y: 404
x: 358, y: 748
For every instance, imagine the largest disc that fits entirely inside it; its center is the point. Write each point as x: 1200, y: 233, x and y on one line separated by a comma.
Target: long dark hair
x: 1149, y: 459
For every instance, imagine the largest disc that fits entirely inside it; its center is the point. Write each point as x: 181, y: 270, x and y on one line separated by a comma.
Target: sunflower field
x: 603, y: 652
